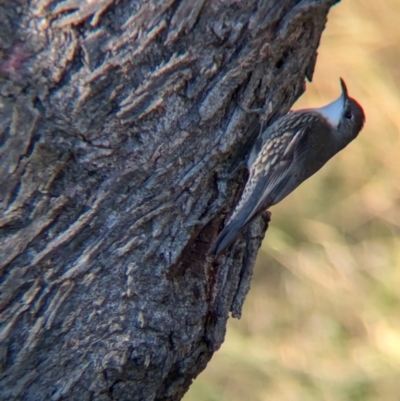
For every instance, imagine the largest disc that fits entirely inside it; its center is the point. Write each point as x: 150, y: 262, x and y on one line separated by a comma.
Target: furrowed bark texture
x: 120, y: 134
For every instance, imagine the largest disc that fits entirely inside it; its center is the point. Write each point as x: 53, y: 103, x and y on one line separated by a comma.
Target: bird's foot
x: 231, y: 174
x: 266, y: 110
x: 263, y: 112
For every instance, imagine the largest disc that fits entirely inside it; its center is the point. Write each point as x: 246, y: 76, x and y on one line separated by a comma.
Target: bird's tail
x: 245, y: 211
x: 226, y: 236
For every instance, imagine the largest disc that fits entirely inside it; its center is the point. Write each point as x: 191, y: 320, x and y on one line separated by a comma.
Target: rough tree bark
x: 120, y: 136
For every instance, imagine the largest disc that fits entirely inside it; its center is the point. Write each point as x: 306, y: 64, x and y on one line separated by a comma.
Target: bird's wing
x: 270, y: 172
x: 268, y: 177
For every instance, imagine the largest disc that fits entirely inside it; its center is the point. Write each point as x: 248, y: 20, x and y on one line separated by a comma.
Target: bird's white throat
x: 333, y: 111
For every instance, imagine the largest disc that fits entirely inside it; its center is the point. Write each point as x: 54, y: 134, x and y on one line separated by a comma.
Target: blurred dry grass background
x: 322, y: 319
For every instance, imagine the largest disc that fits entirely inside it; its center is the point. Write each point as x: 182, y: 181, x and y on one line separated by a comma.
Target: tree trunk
x: 120, y: 140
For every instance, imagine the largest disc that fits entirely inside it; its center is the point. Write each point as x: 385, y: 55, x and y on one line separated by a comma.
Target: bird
x: 288, y: 152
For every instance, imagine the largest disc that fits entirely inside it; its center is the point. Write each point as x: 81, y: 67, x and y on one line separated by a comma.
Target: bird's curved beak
x: 345, y: 94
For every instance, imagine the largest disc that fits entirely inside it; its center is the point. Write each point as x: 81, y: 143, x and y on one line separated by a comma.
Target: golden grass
x: 322, y: 319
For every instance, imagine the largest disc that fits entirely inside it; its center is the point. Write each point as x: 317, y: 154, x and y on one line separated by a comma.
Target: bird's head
x: 344, y: 114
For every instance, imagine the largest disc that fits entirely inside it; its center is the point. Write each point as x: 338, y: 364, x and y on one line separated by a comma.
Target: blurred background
x: 322, y: 318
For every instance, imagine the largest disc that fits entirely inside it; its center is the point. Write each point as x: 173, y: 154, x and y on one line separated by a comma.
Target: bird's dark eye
x: 348, y: 115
